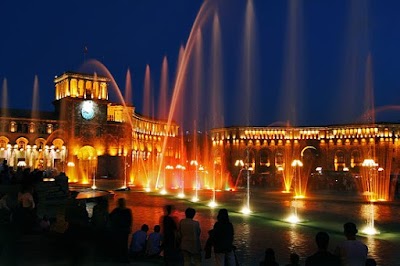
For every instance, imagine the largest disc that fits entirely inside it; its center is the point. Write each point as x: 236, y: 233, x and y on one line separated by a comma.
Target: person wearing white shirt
x: 351, y: 252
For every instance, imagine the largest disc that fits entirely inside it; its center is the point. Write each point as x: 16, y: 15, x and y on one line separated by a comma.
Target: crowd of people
x: 350, y: 252
x: 172, y: 241
x: 177, y: 242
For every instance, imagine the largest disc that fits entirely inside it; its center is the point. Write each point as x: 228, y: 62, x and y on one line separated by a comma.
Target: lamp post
x: 195, y: 197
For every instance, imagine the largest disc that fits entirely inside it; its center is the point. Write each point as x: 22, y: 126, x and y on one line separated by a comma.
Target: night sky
x: 309, y: 58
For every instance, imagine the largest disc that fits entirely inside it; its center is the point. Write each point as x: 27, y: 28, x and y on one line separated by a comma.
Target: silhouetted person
x: 222, y: 236
x: 352, y: 252
x: 269, y: 259
x: 189, y: 231
x: 76, y: 233
x: 294, y: 260
x: 121, y: 226
x: 100, y: 222
x: 322, y: 256
x: 137, y: 247
x: 154, y: 242
x: 169, y: 230
x: 370, y: 262
x: 25, y: 213
x: 209, y: 245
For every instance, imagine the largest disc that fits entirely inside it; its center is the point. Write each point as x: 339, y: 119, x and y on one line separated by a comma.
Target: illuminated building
x: 87, y: 135
x: 269, y: 151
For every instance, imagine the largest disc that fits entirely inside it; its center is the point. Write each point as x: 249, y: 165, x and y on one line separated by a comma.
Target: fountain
x: 297, y: 174
x: 182, y: 180
x: 194, y: 163
x: 370, y: 176
x: 246, y: 208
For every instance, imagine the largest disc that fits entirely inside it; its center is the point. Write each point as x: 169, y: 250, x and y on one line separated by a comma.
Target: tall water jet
x: 201, y: 18
x: 163, y: 100
x: 246, y: 208
x: 149, y: 164
x: 369, y: 170
x: 4, y: 99
x: 146, y: 93
x: 179, y: 117
x: 216, y: 119
x: 249, y: 64
x: 35, y: 98
x: 356, y: 36
x: 128, y: 88
x: 248, y: 82
x: 291, y: 86
x: 181, y: 168
x: 292, y: 83
x: 297, y: 173
x: 197, y: 85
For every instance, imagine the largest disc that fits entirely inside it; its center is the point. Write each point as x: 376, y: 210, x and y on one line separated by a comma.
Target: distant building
x: 368, y: 154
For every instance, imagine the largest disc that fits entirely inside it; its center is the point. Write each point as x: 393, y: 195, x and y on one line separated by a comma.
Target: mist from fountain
x: 128, y: 88
x: 4, y: 99
x: 35, y: 98
x: 163, y: 96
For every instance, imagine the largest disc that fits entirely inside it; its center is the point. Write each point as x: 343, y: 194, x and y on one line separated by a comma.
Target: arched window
x: 264, y: 157
x: 21, y: 145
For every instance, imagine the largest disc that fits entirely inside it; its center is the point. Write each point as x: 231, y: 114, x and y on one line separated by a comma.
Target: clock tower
x: 81, y: 98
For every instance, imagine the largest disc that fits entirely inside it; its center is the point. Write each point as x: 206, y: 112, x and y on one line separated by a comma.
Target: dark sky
x: 312, y: 62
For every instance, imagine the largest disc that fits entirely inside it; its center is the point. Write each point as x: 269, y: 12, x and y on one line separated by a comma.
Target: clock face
x: 87, y: 110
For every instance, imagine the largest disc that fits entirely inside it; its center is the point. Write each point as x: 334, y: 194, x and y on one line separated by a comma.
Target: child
x: 154, y: 243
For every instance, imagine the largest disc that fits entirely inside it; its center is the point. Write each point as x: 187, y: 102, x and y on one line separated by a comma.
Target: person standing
x: 222, y: 236
x: 322, y: 256
x: 121, y: 226
x: 269, y: 258
x: 169, y: 230
x: 351, y: 252
x: 189, y: 232
x: 100, y: 222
